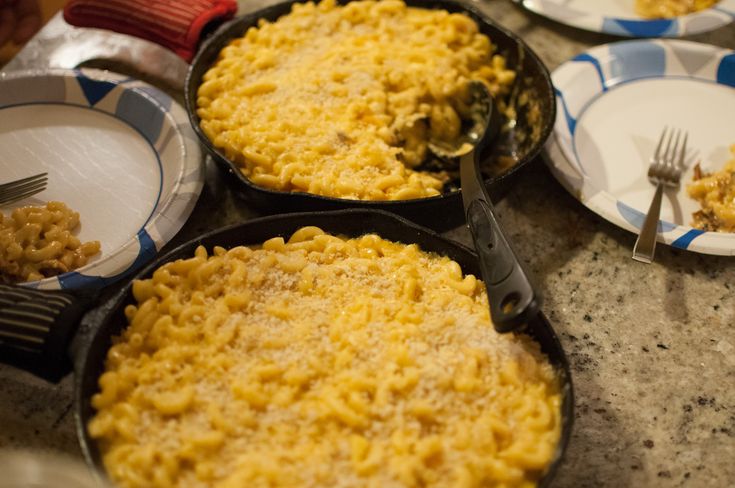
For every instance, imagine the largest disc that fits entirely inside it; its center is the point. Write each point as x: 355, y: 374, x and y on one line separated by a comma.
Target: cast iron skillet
x: 109, y: 320
x: 532, y: 95
x: 100, y: 325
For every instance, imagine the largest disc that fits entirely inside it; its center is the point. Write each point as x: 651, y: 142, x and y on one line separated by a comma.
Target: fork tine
x: 23, y: 181
x: 22, y: 187
x: 674, y: 151
x: 10, y: 198
x: 656, y: 153
x: 683, y: 153
x: 19, y: 193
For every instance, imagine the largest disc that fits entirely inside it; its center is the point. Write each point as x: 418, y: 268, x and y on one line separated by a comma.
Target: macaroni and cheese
x: 654, y: 9
x: 716, y: 194
x: 36, y: 242
x: 322, y: 362
x: 341, y: 100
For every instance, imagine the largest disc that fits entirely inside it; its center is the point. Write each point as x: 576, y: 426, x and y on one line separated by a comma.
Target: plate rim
x: 605, y: 204
x: 636, y: 27
x: 169, y: 213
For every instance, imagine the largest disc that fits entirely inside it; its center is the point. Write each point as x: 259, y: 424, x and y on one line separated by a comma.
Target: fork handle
x: 645, y: 245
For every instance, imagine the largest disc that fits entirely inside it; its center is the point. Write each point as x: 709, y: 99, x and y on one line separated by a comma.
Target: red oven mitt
x: 175, y: 24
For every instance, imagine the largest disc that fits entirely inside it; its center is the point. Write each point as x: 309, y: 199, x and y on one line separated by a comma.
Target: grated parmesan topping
x: 322, y: 362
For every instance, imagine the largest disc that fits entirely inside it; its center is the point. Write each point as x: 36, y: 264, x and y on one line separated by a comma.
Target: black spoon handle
x: 36, y: 327
x: 513, y: 299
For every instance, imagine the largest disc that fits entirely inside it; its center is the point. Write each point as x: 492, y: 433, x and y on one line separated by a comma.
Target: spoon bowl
x: 482, y: 126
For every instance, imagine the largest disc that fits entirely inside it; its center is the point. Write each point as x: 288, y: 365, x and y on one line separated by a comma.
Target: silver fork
x: 22, y: 188
x: 664, y: 171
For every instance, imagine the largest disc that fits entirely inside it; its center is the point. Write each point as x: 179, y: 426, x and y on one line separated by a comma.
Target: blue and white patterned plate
x: 118, y: 151
x: 619, y: 17
x: 613, y: 102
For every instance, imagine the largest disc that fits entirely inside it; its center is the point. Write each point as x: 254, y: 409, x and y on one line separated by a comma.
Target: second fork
x: 664, y: 171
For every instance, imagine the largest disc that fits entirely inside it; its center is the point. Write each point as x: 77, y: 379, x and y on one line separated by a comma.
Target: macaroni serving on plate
x: 340, y: 100
x: 716, y: 194
x: 37, y: 242
x: 654, y: 9
x: 322, y: 361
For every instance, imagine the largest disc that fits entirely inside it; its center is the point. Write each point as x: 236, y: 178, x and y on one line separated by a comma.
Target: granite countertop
x: 652, y: 347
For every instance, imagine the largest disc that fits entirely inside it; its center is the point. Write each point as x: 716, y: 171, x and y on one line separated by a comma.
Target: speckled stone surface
x: 652, y: 347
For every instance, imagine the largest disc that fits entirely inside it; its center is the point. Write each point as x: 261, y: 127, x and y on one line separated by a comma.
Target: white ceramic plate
x: 613, y: 102
x: 619, y: 17
x: 118, y: 151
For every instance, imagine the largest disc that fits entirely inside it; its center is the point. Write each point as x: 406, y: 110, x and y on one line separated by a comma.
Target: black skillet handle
x: 36, y: 327
x: 513, y: 299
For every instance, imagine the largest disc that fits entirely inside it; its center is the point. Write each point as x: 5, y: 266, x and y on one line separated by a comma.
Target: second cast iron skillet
x: 502, y: 162
x: 102, y: 324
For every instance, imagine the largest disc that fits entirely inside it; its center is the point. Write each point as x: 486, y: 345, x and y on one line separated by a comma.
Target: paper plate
x: 619, y: 17
x: 612, y: 104
x: 118, y: 151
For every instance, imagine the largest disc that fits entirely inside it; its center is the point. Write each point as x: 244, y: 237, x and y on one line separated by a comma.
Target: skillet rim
x: 210, y: 48
x: 105, y: 321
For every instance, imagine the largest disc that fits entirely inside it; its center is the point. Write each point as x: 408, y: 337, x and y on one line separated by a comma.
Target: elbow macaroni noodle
x: 37, y: 242
x: 321, y: 362
x: 716, y: 194
x: 654, y: 9
x: 340, y: 100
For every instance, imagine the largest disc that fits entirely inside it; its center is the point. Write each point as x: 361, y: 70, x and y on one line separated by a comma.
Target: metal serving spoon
x: 513, y: 299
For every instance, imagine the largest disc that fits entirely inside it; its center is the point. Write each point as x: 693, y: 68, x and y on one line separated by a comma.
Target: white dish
x: 613, y: 102
x: 619, y: 17
x: 118, y: 151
